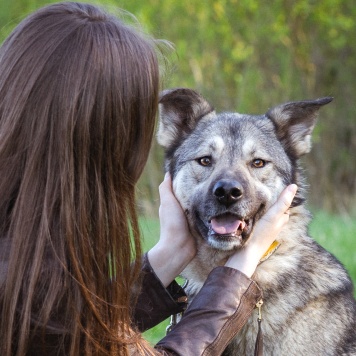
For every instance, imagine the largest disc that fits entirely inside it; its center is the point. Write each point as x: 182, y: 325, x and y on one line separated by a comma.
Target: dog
x: 227, y: 170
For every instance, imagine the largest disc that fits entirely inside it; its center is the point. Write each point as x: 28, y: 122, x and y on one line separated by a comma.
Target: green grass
x: 150, y: 232
x: 335, y: 233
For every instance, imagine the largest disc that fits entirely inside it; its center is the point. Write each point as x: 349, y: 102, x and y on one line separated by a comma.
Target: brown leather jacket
x: 214, y: 317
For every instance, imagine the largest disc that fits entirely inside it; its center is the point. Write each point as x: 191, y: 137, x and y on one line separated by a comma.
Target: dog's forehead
x: 245, y: 133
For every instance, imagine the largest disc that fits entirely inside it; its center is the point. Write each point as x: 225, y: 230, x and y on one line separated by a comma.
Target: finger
x: 167, y: 197
x: 166, y: 185
x: 282, y: 205
x: 287, y: 196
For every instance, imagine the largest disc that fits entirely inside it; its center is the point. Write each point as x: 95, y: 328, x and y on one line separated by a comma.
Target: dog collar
x: 275, y: 244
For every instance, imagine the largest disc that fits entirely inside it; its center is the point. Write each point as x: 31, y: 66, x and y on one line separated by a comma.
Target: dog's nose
x: 227, y: 191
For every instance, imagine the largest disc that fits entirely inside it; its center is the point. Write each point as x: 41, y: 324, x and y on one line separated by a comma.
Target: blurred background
x: 250, y: 55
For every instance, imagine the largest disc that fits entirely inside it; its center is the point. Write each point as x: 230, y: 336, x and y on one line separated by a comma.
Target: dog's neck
x: 275, y: 244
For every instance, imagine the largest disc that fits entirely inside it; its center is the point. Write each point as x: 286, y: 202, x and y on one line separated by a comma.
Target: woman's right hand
x: 264, y: 234
x: 176, y: 247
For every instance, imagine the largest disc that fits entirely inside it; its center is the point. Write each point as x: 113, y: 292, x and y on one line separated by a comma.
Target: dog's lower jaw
x: 230, y: 242
x: 224, y: 242
x: 199, y: 268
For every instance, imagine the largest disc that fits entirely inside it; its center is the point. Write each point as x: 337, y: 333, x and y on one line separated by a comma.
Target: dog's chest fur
x: 305, y: 290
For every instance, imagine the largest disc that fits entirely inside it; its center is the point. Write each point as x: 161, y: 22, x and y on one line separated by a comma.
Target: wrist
x: 168, y: 261
x: 245, y: 260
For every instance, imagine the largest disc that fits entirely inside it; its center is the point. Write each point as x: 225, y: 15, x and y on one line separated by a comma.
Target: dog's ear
x: 294, y: 123
x: 179, y: 111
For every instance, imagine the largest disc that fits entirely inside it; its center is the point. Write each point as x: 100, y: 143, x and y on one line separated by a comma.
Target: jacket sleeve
x: 156, y: 303
x: 215, y: 316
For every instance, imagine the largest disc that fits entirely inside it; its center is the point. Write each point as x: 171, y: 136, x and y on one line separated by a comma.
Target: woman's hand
x: 176, y: 247
x: 265, y: 232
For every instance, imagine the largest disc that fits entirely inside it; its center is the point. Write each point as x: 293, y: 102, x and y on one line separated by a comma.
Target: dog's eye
x: 204, y: 161
x: 258, y: 163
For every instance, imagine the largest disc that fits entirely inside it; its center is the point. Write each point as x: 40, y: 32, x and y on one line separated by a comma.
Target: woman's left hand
x: 265, y: 232
x: 176, y: 246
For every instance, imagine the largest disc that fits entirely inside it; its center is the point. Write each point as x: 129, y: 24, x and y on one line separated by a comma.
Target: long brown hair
x: 78, y: 99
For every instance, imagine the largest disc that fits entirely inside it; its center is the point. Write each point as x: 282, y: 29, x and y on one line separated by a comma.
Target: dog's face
x: 226, y: 173
x: 229, y: 168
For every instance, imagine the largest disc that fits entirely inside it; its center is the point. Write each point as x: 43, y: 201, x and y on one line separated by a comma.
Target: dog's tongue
x: 227, y: 224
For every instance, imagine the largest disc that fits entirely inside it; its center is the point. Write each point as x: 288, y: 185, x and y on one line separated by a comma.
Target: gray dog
x: 227, y: 169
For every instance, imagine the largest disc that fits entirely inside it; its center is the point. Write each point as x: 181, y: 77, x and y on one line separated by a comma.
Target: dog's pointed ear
x: 295, y: 122
x: 179, y: 111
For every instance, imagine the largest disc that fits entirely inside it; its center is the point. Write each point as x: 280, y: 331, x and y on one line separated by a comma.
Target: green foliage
x: 248, y: 55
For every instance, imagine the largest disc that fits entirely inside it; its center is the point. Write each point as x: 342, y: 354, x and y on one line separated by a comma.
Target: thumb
x: 285, y: 200
x: 165, y: 187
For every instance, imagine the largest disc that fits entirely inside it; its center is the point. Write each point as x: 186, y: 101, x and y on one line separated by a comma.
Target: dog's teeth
x: 242, y: 225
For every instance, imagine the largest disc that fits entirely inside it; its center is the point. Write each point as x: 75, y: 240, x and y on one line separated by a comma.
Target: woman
x: 78, y: 100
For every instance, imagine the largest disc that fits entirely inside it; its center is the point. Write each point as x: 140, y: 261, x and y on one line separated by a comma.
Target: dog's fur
x: 227, y: 169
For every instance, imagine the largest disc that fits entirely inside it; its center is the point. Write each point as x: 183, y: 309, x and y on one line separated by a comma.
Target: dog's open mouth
x: 228, y: 226
x: 227, y: 231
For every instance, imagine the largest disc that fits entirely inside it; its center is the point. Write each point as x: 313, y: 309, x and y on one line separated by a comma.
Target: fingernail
x: 166, y: 175
x: 293, y: 188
